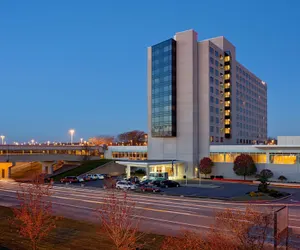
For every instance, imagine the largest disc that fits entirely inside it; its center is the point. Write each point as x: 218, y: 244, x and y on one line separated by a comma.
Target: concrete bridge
x: 47, y: 155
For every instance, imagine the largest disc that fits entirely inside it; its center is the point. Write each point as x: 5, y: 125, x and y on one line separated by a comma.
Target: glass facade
x: 163, y: 123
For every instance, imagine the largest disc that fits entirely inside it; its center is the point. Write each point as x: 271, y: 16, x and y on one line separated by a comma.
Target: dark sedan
x: 169, y: 183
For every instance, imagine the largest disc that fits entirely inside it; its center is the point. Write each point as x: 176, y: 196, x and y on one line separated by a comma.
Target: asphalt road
x: 159, y: 214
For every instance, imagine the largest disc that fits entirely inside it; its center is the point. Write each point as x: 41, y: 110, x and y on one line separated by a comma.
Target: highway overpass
x: 48, y: 155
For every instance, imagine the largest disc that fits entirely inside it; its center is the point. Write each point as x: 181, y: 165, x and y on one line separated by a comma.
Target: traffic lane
x: 161, y: 202
x: 147, y: 210
x: 180, y: 219
x: 154, y: 198
x: 156, y: 225
x: 153, y: 201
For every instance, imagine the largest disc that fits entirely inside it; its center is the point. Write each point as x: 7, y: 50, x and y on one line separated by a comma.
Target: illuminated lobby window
x: 217, y: 157
x: 283, y: 159
x: 230, y: 157
x: 259, y: 158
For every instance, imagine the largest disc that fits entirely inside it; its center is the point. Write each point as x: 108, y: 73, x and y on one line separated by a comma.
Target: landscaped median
x: 85, y: 167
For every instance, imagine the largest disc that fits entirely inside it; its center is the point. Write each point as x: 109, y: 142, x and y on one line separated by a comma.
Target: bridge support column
x: 9, y: 173
x: 128, y: 171
x: 50, y: 170
x: 147, y: 171
x: 44, y: 169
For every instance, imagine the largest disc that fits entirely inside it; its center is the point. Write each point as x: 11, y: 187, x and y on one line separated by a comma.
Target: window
x: 211, y: 70
x: 221, y: 139
x: 217, y: 111
x: 217, y: 92
x: 217, y: 73
x: 217, y: 120
x: 211, y: 60
x: 211, y: 119
x: 211, y: 89
x: 217, y: 139
x: 216, y: 53
x: 217, y: 101
x: 211, y: 129
x: 211, y: 109
x: 216, y: 81
x: 211, y: 50
x: 163, y: 123
x: 211, y: 99
x: 211, y: 139
x: 217, y: 63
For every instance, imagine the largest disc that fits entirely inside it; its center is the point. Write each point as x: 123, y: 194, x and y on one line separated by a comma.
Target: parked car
x: 71, y: 179
x: 169, y: 183
x: 145, y: 182
x: 125, y: 185
x: 150, y: 188
x: 87, y: 178
x: 92, y: 176
x: 100, y: 176
x: 157, y: 183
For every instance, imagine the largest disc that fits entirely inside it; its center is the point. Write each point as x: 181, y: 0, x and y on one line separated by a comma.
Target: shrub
x: 282, y: 178
x: 263, y: 187
x: 206, y: 165
x: 266, y: 173
x: 244, y: 166
x: 252, y: 194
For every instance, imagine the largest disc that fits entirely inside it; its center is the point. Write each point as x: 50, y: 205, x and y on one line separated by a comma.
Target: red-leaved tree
x: 205, y: 166
x: 33, y: 217
x: 244, y: 165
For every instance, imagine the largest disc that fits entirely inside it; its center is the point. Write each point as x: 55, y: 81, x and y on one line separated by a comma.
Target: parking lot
x: 226, y: 190
x: 219, y: 191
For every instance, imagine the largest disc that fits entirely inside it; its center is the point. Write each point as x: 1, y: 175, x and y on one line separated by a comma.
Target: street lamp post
x: 2, y: 138
x: 72, y: 131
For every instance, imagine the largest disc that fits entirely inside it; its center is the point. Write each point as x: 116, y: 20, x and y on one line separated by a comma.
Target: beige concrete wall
x: 5, y: 169
x: 184, y: 146
x: 204, y: 99
x: 112, y: 168
x: 288, y: 140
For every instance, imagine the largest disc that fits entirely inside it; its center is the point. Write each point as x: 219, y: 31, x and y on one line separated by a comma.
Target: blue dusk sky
x: 82, y: 64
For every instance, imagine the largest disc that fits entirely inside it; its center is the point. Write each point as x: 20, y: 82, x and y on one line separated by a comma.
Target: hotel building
x: 200, y: 95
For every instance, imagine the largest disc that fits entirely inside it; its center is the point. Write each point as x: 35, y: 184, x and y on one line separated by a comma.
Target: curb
x: 263, y: 201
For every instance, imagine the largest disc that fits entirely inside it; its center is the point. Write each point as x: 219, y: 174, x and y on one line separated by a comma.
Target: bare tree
x: 102, y: 140
x: 134, y: 137
x: 243, y: 229
x: 119, y: 221
x: 33, y: 217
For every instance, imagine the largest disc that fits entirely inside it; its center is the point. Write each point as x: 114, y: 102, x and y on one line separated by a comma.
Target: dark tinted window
x: 164, y: 89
